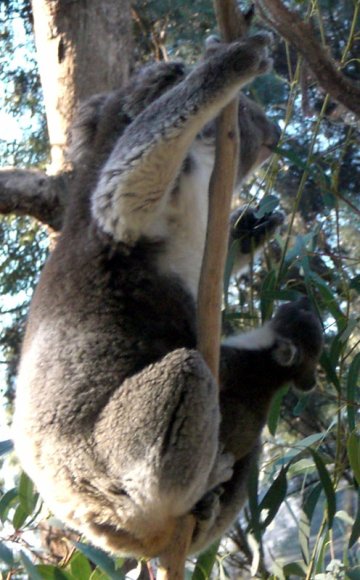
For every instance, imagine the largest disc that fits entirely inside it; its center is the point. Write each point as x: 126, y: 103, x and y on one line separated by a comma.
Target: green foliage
x: 309, y: 481
x: 23, y: 241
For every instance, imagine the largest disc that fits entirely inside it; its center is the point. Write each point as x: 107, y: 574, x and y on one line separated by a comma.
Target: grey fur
x: 117, y: 418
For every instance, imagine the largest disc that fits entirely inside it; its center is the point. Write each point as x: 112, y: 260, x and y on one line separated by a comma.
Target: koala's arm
x: 136, y: 181
x: 254, y: 366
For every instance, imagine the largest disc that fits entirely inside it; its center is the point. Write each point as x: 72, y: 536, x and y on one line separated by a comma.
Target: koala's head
x: 298, y: 323
x: 258, y: 136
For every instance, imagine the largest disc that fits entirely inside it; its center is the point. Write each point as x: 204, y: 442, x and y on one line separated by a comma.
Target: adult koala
x: 117, y: 416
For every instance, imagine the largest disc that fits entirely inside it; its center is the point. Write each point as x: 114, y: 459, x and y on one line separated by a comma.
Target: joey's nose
x: 275, y: 136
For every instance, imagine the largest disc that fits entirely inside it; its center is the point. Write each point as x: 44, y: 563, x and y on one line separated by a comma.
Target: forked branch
x: 301, y: 35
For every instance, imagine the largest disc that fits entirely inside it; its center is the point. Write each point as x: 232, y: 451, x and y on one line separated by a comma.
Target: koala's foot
x: 252, y: 232
x: 299, y: 342
x: 206, y: 511
x: 222, y: 470
x: 208, y: 506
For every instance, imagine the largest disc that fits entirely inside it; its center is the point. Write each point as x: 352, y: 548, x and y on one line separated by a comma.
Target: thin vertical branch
x: 232, y: 24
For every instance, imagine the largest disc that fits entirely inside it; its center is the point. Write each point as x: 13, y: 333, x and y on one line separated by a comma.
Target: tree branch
x: 32, y: 192
x: 300, y: 34
x: 232, y: 24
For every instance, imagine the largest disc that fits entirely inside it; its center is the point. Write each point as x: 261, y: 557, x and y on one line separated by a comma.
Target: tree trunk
x: 83, y: 48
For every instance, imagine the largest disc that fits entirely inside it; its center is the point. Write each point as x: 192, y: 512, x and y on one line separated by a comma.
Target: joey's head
x: 258, y: 136
x: 299, y: 325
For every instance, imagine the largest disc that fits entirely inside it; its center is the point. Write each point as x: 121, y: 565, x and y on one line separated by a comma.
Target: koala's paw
x: 246, y: 58
x: 253, y: 54
x: 252, y: 232
x: 299, y: 343
x: 208, y: 506
x: 206, y: 511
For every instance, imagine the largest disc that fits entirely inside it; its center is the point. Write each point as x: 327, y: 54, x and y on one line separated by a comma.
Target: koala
x: 117, y: 417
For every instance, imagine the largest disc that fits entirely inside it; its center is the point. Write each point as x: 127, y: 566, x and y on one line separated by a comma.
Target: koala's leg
x: 136, y: 181
x: 253, y: 366
x: 157, y: 442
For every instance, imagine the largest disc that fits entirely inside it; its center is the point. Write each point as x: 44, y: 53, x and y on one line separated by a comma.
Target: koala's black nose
x: 306, y: 381
x: 304, y: 303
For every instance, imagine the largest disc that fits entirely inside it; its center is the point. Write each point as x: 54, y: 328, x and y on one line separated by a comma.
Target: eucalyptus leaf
x: 296, y: 569
x: 299, y: 447
x: 266, y: 206
x: 32, y: 570
x: 327, y: 485
x: 6, y: 446
x: 6, y: 502
x: 274, y: 413
x: 353, y: 451
x: 27, y: 495
x: 20, y: 517
x: 79, y: 566
x: 352, y: 387
x: 6, y: 555
x: 355, y: 532
x: 274, y: 497
x: 101, y: 559
x: 205, y: 563
x: 267, y: 295
x: 49, y: 572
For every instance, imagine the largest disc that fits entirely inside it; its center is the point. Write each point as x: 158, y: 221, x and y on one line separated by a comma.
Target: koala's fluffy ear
x: 149, y: 83
x: 83, y: 130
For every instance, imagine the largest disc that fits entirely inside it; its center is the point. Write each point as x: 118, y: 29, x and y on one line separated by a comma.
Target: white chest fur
x: 185, y: 219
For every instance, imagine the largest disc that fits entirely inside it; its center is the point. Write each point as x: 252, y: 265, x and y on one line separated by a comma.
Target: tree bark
x: 83, y: 48
x: 31, y: 192
x: 232, y: 24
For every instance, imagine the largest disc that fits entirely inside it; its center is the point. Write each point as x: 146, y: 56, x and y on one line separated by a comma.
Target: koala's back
x: 103, y: 311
